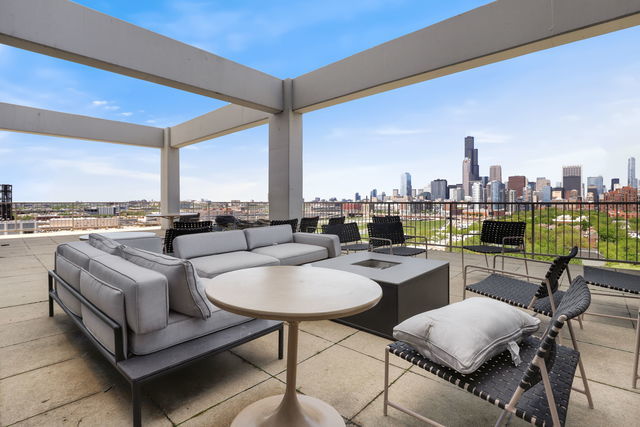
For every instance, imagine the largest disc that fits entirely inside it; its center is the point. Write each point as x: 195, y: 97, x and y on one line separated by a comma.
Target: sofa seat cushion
x: 267, y: 236
x: 186, y: 294
x: 183, y: 328
x: 212, y: 265
x: 202, y: 244
x: 294, y: 253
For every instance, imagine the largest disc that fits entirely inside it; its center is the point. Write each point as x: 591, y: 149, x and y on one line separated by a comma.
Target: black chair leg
x: 135, y: 404
x: 281, y: 342
x: 50, y: 298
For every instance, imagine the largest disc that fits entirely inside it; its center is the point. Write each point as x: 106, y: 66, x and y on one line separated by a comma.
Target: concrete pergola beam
x: 223, y: 121
x: 495, y: 32
x: 73, y: 32
x: 17, y: 118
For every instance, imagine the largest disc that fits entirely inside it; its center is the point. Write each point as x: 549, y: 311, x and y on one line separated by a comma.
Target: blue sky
x: 574, y: 104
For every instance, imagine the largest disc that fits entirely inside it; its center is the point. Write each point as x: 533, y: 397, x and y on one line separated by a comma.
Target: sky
x: 573, y: 104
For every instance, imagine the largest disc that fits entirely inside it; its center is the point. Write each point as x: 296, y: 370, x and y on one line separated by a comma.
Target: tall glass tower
x: 405, y: 184
x: 632, y: 181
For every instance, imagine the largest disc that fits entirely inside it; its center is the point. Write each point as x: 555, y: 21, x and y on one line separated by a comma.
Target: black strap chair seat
x: 498, y: 378
x: 615, y: 280
x: 515, y: 292
x: 355, y: 247
x: 490, y: 249
x: 400, y: 251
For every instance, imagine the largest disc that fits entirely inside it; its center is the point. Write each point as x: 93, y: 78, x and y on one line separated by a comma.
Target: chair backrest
x: 196, y: 224
x: 225, y: 220
x: 556, y: 269
x: 387, y: 218
x: 336, y: 220
x: 172, y: 233
x: 292, y: 222
x: 386, y: 230
x: 496, y: 231
x: 335, y: 229
x: 351, y: 232
x: 309, y: 224
x: 575, y: 302
x: 190, y: 217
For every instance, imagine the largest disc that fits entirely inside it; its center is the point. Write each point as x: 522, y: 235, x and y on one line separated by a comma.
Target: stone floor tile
x: 23, y: 312
x: 374, y: 346
x: 16, y: 333
x: 612, y: 407
x: 608, y: 366
x: 23, y: 293
x: 345, y: 379
x: 327, y: 329
x: 189, y: 391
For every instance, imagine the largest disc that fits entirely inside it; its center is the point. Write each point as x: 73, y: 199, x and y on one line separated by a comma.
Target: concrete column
x: 169, y: 178
x: 285, y: 160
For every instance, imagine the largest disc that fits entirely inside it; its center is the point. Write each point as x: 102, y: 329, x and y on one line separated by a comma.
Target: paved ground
x: 50, y: 375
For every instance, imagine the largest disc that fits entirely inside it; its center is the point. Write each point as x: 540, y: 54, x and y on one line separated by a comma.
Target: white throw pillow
x: 466, y: 334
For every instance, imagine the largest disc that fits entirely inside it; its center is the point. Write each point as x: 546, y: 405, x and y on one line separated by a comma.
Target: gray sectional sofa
x: 147, y: 313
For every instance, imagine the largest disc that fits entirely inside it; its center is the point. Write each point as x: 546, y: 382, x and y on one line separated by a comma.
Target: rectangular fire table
x: 409, y: 286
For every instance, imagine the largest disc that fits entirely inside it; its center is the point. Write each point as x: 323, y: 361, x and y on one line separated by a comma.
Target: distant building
x: 595, y: 185
x: 614, y: 181
x: 6, y: 199
x: 495, y: 173
x: 467, y: 176
x: 545, y: 193
x: 557, y: 193
x: 497, y: 194
x: 471, y: 153
x: 624, y: 194
x: 405, y: 185
x: 572, y: 180
x: 374, y: 194
x: 517, y: 183
x: 541, y: 182
x: 357, y: 197
x: 632, y: 181
x: 477, y: 192
x: 396, y: 193
x: 439, y: 189
x: 456, y: 194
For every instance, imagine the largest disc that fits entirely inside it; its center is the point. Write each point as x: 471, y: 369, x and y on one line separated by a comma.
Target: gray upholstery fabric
x: 110, y: 301
x: 103, y: 243
x: 212, y: 265
x: 70, y: 273
x: 203, y: 244
x: 79, y: 253
x: 293, y: 253
x: 151, y: 244
x: 267, y: 236
x: 329, y: 241
x: 145, y: 291
x: 186, y: 294
x: 182, y: 328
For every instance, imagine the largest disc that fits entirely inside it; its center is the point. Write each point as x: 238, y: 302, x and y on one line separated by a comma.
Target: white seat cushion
x: 466, y: 334
x: 267, y: 236
x: 212, y: 265
x: 294, y: 253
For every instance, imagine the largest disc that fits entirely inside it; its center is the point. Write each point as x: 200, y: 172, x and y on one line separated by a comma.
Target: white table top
x: 170, y: 215
x: 123, y: 235
x: 293, y: 293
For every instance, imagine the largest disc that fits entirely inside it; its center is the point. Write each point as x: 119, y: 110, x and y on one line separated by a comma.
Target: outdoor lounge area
x: 51, y: 374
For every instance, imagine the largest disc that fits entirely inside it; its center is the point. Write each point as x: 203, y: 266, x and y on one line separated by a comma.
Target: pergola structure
x: 497, y: 31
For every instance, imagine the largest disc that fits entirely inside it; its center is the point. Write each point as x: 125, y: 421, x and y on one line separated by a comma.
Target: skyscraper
x: 477, y: 192
x: 541, y: 182
x: 614, y: 181
x: 572, y: 180
x: 632, y: 181
x: 467, y: 177
x: 517, y: 184
x: 495, y: 173
x: 374, y: 193
x: 405, y: 185
x: 497, y: 194
x: 595, y: 184
x: 439, y: 189
x: 471, y: 153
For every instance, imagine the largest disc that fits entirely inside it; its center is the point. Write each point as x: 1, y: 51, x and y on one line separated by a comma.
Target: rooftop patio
x: 51, y: 375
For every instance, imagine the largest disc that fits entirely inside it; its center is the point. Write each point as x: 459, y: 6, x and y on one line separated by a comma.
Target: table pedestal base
x: 278, y: 411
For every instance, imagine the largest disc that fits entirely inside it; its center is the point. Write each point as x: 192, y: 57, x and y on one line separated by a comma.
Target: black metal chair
x: 189, y: 217
x: 498, y: 237
x: 309, y: 224
x: 623, y: 285
x: 226, y: 221
x: 172, y: 233
x: 542, y: 297
x: 197, y: 224
x: 348, y: 234
x: 386, y: 218
x: 537, y: 390
x: 292, y: 222
x: 389, y: 238
x: 336, y: 220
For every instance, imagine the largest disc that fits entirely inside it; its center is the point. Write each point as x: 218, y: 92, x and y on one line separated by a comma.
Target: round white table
x: 292, y: 294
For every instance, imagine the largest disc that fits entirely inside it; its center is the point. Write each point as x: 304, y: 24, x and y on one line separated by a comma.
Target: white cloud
x: 99, y: 103
x: 126, y: 114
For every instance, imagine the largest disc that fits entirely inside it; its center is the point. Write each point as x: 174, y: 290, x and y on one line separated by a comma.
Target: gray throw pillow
x: 105, y: 244
x: 186, y: 292
x: 466, y: 334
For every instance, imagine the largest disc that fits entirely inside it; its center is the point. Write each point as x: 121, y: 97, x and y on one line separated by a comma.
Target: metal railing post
x: 533, y: 232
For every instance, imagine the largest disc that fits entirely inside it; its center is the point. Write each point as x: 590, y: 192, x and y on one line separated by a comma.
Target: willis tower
x: 472, y: 154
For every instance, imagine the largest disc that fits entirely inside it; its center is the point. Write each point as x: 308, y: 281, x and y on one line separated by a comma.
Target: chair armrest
x: 411, y: 237
x: 329, y: 241
x: 390, y: 242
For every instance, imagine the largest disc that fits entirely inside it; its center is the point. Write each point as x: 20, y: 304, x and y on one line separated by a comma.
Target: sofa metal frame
x: 140, y: 369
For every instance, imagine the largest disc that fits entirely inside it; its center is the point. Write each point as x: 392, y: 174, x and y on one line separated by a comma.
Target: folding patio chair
x: 309, y: 224
x: 498, y: 237
x: 537, y: 390
x: 349, y: 236
x: 389, y: 238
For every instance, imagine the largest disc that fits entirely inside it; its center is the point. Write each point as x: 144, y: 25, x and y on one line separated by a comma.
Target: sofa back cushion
x: 103, y: 243
x: 146, y: 294
x: 70, y: 273
x: 79, y: 253
x: 186, y: 293
x: 267, y: 236
x: 109, y: 300
x: 203, y: 244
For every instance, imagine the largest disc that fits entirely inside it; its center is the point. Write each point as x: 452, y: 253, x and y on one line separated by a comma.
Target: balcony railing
x: 603, y: 231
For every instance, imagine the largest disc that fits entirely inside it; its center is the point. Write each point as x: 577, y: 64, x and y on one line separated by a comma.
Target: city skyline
x: 584, y: 94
